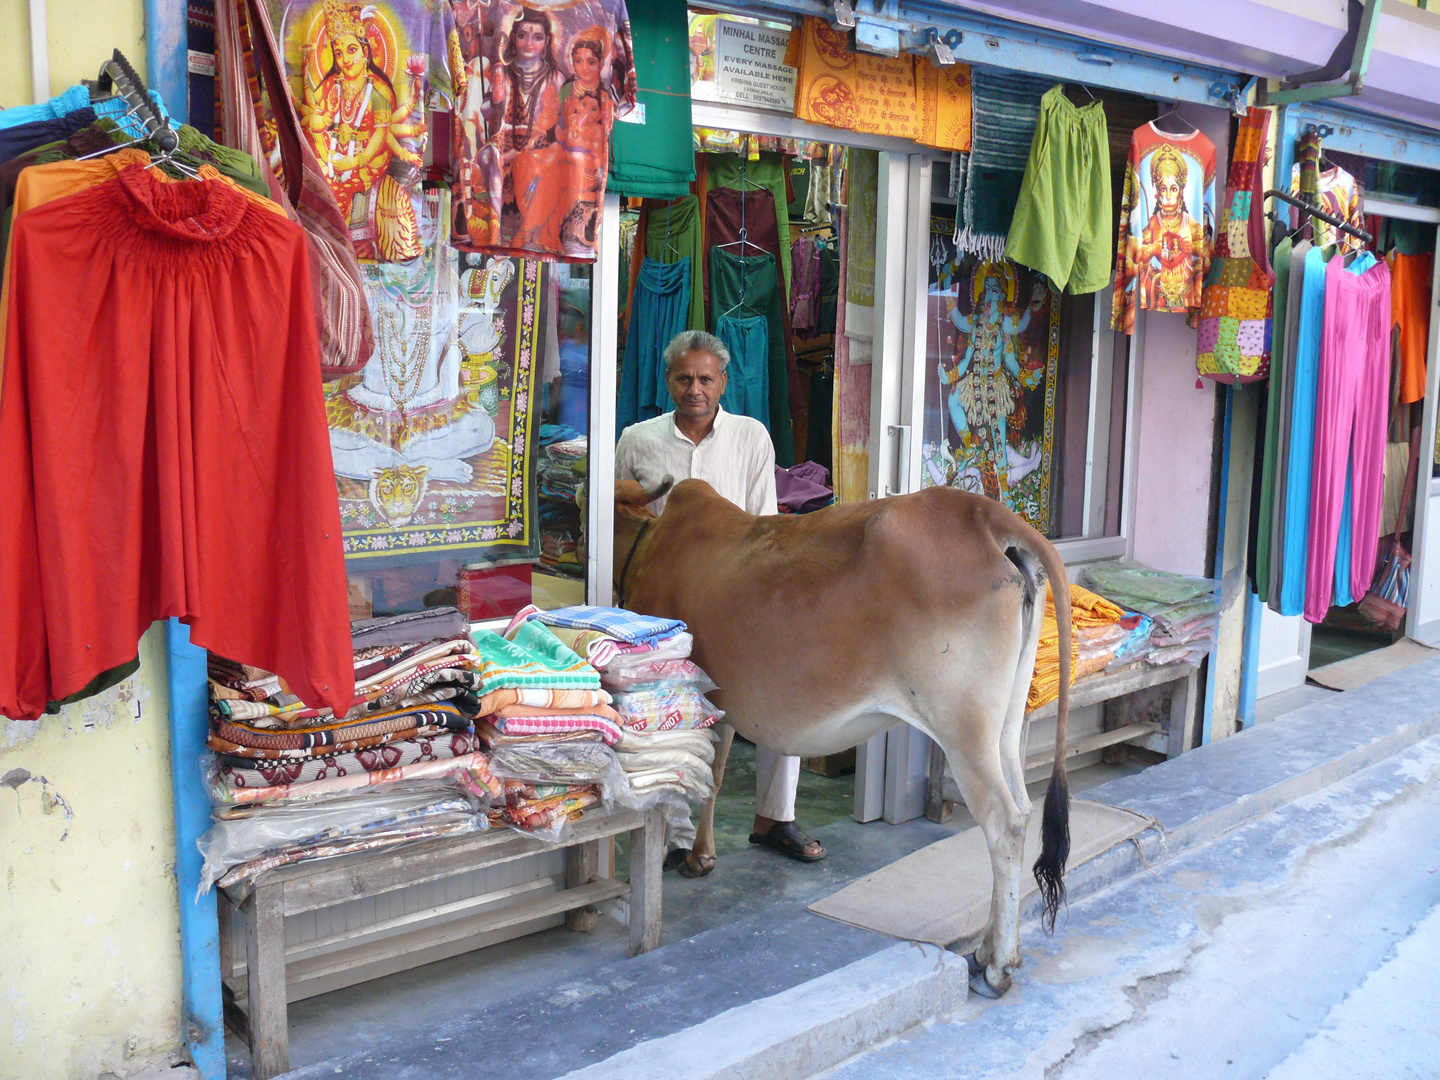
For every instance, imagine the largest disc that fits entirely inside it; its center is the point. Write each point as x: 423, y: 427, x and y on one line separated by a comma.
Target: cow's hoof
x: 980, y: 981
x: 697, y: 865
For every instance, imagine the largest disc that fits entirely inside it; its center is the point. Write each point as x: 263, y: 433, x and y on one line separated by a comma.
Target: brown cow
x: 826, y: 628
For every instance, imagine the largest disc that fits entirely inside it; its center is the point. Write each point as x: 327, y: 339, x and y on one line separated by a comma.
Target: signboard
x: 750, y: 65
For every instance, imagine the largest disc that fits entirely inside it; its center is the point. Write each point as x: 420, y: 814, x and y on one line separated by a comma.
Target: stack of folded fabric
x: 1098, y: 629
x: 561, y: 470
x: 665, y: 747
x: 1184, y: 611
x: 290, y: 782
x: 803, y: 488
x: 547, y: 725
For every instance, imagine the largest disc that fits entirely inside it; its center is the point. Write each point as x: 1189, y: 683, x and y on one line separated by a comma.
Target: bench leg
x: 1183, y: 715
x: 265, y: 979
x: 582, y: 866
x: 647, y: 864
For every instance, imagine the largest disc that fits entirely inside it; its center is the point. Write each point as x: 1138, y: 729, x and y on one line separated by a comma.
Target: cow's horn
x: 660, y: 489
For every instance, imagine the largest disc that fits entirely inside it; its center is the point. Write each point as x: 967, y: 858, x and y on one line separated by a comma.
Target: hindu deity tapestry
x: 361, y: 76
x: 538, y: 86
x: 1167, y: 224
x: 434, y: 441
x: 994, y: 338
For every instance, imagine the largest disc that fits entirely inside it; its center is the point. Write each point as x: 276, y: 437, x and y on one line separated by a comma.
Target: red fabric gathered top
x: 164, y: 444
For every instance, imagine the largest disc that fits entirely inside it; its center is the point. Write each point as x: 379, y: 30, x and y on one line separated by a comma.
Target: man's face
x: 529, y: 41
x: 695, y: 383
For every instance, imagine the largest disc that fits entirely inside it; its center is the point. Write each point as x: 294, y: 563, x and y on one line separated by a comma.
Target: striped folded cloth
x: 618, y: 623
x: 539, y: 725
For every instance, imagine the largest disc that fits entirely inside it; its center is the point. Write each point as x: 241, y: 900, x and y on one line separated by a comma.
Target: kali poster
x: 538, y: 86
x: 433, y: 440
x: 993, y: 343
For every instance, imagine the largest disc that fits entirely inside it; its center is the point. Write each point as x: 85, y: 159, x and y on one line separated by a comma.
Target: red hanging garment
x: 164, y: 445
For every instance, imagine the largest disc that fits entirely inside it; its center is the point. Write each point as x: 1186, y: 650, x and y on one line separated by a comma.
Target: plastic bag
x: 657, y: 675
x: 553, y: 762
x: 1130, y: 584
x: 672, y: 648
x: 544, y: 810
x: 233, y: 841
x: 666, y: 710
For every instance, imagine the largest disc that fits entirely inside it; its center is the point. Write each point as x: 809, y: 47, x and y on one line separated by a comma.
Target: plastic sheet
x: 234, y: 840
x: 657, y: 675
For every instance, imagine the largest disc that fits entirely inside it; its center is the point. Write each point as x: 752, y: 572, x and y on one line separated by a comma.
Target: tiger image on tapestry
x: 397, y: 491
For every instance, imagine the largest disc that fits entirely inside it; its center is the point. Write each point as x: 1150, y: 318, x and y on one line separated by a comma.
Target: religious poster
x: 434, y: 440
x: 538, y: 86
x: 361, y: 75
x: 994, y: 343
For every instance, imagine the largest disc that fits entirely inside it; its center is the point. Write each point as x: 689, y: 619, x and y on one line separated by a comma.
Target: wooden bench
x: 259, y: 1014
x: 1114, y: 691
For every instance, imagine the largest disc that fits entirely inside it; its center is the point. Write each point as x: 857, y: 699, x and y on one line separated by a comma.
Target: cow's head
x: 632, y: 516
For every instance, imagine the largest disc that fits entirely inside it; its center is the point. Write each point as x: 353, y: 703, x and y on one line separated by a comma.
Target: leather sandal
x: 788, y: 839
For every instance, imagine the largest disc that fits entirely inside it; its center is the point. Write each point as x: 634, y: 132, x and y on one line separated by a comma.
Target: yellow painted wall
x: 89, y: 926
x: 82, y: 34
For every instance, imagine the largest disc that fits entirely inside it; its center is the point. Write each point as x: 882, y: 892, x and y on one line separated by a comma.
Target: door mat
x: 941, y: 893
x: 1359, y: 670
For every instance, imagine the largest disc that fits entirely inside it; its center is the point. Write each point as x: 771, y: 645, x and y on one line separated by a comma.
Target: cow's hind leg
x: 701, y: 859
x: 981, y: 777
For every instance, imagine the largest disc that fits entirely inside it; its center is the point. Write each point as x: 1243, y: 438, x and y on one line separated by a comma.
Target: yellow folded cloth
x: 1087, y: 610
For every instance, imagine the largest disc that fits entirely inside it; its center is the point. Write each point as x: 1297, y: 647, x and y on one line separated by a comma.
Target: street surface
x: 1304, y: 946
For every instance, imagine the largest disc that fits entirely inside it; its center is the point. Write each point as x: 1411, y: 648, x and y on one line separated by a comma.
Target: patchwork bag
x: 1237, y: 304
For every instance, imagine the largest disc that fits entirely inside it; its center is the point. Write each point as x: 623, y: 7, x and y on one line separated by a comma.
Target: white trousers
x: 776, y: 777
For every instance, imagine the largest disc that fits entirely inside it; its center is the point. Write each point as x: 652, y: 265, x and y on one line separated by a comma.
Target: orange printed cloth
x: 904, y: 96
x: 1089, y: 612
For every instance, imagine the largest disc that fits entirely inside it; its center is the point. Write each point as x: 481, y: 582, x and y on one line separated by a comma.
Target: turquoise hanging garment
x: 662, y: 306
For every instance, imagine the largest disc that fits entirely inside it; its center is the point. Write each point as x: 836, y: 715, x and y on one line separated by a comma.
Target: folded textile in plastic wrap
x: 543, y: 725
x: 1088, y: 612
x: 1184, y: 611
x: 556, y: 763
x: 1133, y: 584
x: 657, y: 675
x: 543, y: 809
x: 492, y: 737
x: 672, y: 648
x: 666, y: 710
x: 232, y: 842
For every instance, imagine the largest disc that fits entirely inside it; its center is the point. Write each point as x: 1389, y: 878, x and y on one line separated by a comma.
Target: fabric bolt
x: 1006, y: 111
x: 535, y: 658
x: 727, y: 214
x: 747, y: 386
x: 662, y: 299
x: 284, y: 781
x: 1167, y: 224
x: 752, y: 279
x: 522, y: 712
x: 541, y: 725
x: 673, y: 233
x: 654, y: 158
x: 180, y: 425
x: 76, y: 98
x: 1233, y: 342
x: 737, y: 459
x: 1350, y: 419
x: 410, y: 628
x: 1088, y: 610
x: 1410, y: 280
x: 218, y: 742
x: 730, y: 172
x: 22, y: 138
x: 542, y: 697
x: 618, y: 623
x: 1062, y: 217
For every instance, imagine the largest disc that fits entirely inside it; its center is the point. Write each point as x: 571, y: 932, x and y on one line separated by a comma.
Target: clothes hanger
x: 1174, y: 111
x: 742, y: 242
x: 119, y: 75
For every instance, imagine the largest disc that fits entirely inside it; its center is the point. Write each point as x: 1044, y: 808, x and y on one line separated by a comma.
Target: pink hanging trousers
x: 1350, y: 417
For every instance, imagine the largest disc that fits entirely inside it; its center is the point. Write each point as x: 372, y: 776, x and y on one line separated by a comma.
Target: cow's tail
x: 1055, y: 819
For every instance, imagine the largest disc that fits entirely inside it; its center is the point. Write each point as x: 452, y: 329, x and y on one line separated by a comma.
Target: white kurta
x: 737, y: 459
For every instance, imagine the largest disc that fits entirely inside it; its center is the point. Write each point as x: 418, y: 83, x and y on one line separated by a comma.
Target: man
x: 734, y: 455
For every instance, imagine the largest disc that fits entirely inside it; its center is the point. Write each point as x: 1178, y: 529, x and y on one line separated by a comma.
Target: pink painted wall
x: 1176, y: 444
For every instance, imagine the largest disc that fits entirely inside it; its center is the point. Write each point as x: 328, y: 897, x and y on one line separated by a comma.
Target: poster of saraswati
x: 994, y: 340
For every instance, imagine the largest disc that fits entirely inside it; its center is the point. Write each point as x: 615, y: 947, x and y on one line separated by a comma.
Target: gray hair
x: 688, y: 341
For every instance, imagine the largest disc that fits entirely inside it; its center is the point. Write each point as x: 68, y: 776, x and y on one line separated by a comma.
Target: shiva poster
x: 994, y: 343
x: 361, y: 76
x: 538, y: 86
x: 434, y: 438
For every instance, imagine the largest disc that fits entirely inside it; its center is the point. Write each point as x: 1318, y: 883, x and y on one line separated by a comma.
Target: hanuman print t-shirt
x: 1167, y: 224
